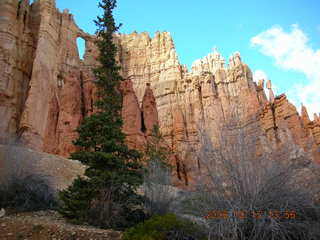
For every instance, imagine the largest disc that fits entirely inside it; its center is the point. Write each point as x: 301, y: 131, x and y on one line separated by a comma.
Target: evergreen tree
x: 106, y: 195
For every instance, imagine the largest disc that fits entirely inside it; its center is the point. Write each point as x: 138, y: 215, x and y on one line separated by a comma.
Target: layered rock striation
x: 46, y: 89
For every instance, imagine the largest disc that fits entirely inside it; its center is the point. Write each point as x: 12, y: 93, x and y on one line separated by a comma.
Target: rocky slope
x: 49, y: 225
x: 20, y: 163
x: 46, y: 90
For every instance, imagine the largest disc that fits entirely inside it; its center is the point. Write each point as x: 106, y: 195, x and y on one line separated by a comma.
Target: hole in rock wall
x: 81, y: 43
x: 143, y: 126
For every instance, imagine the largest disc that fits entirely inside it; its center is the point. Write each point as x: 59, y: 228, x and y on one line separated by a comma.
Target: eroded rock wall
x: 19, y: 24
x: 52, y: 110
x: 46, y: 90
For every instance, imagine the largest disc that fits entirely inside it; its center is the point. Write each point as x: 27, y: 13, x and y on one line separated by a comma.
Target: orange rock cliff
x: 46, y: 89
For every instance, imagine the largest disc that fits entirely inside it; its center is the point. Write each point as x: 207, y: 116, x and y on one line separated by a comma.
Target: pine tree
x: 107, y: 194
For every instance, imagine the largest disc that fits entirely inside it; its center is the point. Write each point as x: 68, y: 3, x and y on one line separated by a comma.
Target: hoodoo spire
x: 271, y: 94
x: 304, y: 115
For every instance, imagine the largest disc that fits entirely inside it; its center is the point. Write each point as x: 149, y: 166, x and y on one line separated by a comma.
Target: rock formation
x: 46, y: 90
x: 271, y: 94
x: 131, y: 112
x: 149, y: 111
x: 41, y: 89
x: 19, y: 24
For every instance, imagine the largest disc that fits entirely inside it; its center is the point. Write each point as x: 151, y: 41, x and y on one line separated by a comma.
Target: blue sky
x: 278, y: 39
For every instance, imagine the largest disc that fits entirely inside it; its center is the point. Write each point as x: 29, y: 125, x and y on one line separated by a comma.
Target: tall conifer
x: 106, y: 195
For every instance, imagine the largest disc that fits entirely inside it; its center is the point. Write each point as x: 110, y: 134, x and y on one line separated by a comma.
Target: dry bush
x: 157, y: 186
x: 20, y: 188
x: 30, y: 193
x: 244, y: 186
x: 158, y: 190
x: 106, y: 212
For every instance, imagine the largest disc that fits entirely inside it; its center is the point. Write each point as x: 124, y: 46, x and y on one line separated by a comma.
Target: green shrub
x: 165, y: 227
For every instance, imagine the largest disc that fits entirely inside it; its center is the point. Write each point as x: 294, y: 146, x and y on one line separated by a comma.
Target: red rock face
x: 17, y: 43
x: 281, y: 114
x: 132, y: 117
x: 46, y: 90
x: 149, y: 110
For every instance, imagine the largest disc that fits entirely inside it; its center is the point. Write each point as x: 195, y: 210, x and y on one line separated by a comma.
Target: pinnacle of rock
x: 304, y: 115
x: 271, y: 94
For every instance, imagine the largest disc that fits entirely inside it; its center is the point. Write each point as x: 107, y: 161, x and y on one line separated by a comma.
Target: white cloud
x: 291, y: 51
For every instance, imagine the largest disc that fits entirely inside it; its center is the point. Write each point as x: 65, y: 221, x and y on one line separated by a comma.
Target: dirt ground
x: 45, y: 225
